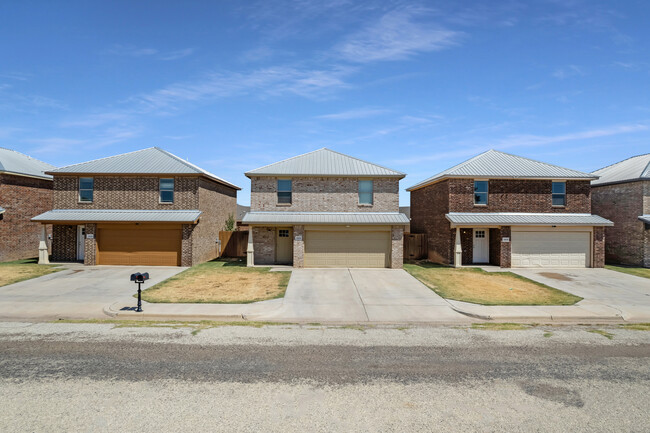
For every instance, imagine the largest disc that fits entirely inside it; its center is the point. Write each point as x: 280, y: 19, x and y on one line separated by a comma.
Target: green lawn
x: 220, y: 282
x: 487, y: 288
x: 21, y: 270
x: 632, y: 270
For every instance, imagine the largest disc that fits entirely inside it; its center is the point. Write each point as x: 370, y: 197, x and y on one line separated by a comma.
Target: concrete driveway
x: 361, y: 295
x: 76, y: 292
x: 599, y: 287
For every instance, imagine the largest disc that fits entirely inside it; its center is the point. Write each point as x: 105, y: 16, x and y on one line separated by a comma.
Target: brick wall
x: 90, y: 245
x: 510, y: 195
x: 299, y: 247
x: 599, y: 247
x: 428, y: 208
x: 187, y: 241
x: 506, y: 247
x: 23, y: 198
x: 397, y: 247
x: 495, y: 247
x: 64, y: 243
x: 264, y: 245
x: 217, y: 202
x: 622, y: 203
x: 467, y: 244
x: 324, y: 194
x: 112, y: 192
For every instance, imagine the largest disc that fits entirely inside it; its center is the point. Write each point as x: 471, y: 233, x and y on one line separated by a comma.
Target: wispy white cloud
x: 354, y: 114
x: 178, y: 54
x: 397, y: 35
x: 131, y: 51
x: 19, y: 76
x: 568, y: 71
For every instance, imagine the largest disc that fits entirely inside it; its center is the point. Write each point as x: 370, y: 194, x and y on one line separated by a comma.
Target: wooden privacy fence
x: 415, y: 246
x: 233, y: 244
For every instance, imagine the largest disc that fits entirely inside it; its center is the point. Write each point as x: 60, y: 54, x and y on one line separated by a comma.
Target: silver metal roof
x: 146, y: 161
x: 645, y: 218
x: 628, y: 170
x: 119, y: 215
x: 13, y: 162
x: 352, y: 218
x: 527, y: 219
x: 241, y: 211
x: 2, y: 210
x: 324, y: 162
x: 495, y: 164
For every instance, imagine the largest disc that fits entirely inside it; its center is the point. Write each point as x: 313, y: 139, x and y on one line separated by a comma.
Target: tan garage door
x: 138, y: 245
x: 551, y: 249
x: 347, y: 249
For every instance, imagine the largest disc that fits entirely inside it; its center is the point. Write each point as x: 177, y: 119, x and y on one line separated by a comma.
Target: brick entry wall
x: 264, y: 245
x: 299, y: 247
x: 397, y: 247
x: 64, y: 243
x: 506, y: 247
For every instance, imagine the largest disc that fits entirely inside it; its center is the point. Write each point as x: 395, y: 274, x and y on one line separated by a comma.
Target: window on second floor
x: 558, y: 191
x: 284, y: 191
x: 365, y: 191
x: 86, y: 188
x: 166, y: 187
x: 481, y: 192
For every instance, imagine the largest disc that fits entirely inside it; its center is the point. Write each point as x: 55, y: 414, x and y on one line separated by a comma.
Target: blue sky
x: 415, y: 86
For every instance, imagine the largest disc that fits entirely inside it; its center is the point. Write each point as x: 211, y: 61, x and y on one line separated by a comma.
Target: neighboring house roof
x: 146, y: 161
x: 527, y: 219
x: 494, y: 164
x: 628, y: 170
x: 645, y: 218
x: 406, y: 210
x: 118, y: 215
x: 12, y: 162
x: 241, y: 211
x: 351, y: 218
x: 324, y: 162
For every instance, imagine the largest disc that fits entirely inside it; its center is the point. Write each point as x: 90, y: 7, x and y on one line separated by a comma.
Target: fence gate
x: 415, y: 246
x: 233, y: 244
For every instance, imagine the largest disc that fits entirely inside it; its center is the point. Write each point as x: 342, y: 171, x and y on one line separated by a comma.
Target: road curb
x: 110, y: 311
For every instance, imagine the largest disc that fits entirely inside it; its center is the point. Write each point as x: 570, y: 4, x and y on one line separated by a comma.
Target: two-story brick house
x: 509, y: 211
x: 147, y: 207
x: 325, y: 209
x: 622, y: 194
x: 25, y: 191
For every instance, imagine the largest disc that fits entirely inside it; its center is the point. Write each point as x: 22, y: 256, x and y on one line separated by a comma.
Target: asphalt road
x: 97, y: 378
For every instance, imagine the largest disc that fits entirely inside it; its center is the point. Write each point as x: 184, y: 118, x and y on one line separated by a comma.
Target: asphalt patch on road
x: 556, y: 394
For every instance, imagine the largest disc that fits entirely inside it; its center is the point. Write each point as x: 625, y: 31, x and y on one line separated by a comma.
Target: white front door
x: 81, y: 236
x: 481, y: 246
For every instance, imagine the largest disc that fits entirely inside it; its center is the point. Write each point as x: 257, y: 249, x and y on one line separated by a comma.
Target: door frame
x: 81, y: 244
x: 487, y: 245
x: 277, y: 236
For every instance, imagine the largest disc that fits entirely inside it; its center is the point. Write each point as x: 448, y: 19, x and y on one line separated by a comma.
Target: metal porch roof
x: 526, y: 219
x: 351, y: 218
x: 118, y: 215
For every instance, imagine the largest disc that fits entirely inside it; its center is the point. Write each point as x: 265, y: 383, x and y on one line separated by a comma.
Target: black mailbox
x: 139, y: 278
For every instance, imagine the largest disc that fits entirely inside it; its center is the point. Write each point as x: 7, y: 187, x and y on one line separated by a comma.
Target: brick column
x: 90, y: 245
x: 186, y: 245
x: 298, y: 246
x: 397, y: 247
x: 506, y: 247
x: 599, y: 247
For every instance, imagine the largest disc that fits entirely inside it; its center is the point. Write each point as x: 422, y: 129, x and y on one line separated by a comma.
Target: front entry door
x: 481, y: 246
x: 81, y: 235
x: 284, y: 246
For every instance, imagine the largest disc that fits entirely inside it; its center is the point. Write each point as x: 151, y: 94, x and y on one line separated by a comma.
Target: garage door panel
x: 551, y: 249
x: 347, y: 249
x: 138, y: 246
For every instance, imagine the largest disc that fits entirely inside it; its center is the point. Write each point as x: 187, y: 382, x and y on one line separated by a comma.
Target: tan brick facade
x: 299, y: 246
x: 397, y: 247
x: 430, y: 204
x: 199, y: 242
x: 324, y: 194
x: 22, y: 198
x: 628, y: 241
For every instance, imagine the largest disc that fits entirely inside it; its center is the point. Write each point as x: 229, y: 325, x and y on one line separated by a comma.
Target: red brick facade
x: 430, y: 204
x: 23, y: 198
x: 628, y: 241
x: 199, y: 242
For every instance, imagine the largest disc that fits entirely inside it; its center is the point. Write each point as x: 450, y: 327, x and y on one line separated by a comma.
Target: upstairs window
x: 284, y: 191
x: 481, y: 192
x: 365, y: 191
x: 86, y: 188
x: 558, y: 192
x: 166, y: 187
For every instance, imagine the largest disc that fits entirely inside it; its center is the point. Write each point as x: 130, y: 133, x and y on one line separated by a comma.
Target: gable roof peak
x: 17, y: 163
x: 628, y: 170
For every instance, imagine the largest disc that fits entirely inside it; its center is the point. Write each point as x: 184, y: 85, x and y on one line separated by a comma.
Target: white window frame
x: 160, y: 190
x: 371, y: 192
x: 487, y: 192
x: 92, y: 190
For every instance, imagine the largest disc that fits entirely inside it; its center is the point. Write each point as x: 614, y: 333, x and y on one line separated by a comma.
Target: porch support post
x: 250, y: 252
x: 43, y: 257
x: 458, y: 250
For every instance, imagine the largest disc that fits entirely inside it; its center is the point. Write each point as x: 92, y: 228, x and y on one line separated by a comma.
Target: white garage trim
x: 555, y: 247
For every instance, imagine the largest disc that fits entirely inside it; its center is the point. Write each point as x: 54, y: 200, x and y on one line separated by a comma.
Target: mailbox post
x: 139, y: 278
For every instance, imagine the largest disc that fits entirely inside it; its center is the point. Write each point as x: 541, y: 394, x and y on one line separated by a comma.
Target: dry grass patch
x: 632, y: 270
x: 21, y: 270
x: 221, y: 282
x: 497, y: 326
x: 487, y: 288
